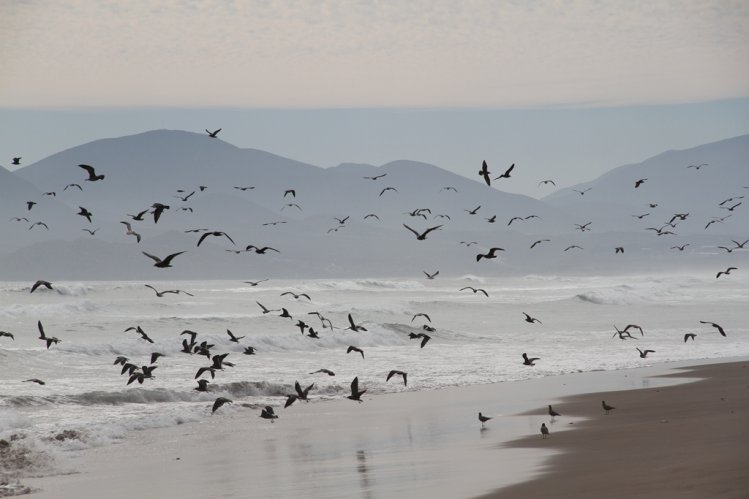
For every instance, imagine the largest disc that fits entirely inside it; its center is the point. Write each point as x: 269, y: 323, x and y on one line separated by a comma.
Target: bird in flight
x: 573, y: 246
x: 697, y: 167
x: 254, y: 283
x: 619, y: 249
x: 324, y: 371
x: 423, y: 235
x: 162, y: 293
x: 506, y: 174
x: 473, y: 211
x: 212, y: 134
x: 431, y: 276
x: 355, y: 393
x: 539, y: 242
x: 49, y: 339
x: 85, y: 213
x: 726, y: 272
x: 259, y: 250
x: 553, y: 413
x: 72, y: 185
x: 220, y: 402
x: 530, y: 319
x: 582, y: 193
x: 394, y: 372
x: 40, y: 224
x: 130, y: 232
x: 7, y: 334
x: 583, y: 227
x: 92, y: 176
x: 640, y: 182
x: 92, y: 232
x: 17, y: 160
x: 215, y: 234
x: 680, y: 248
x: 387, y: 189
x: 529, y: 361
x: 247, y: 188
x: 484, y: 172
x: 716, y: 326
x: 449, y: 188
x: 295, y: 295
x: 166, y: 262
x: 375, y: 177
x: 354, y: 326
x: 475, y: 290
x: 544, y: 182
x: 46, y: 284
x: 688, y: 336
x: 491, y: 254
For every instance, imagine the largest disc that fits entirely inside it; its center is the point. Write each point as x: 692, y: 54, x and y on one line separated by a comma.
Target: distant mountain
x: 613, y: 199
x: 266, y: 200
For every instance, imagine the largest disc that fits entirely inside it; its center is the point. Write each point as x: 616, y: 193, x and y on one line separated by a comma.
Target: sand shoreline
x: 392, y: 445
x: 682, y: 441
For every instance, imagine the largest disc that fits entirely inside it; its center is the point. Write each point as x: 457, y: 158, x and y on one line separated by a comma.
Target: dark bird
x: 623, y: 334
x: 184, y: 199
x: 441, y: 215
x: 19, y: 219
x: 484, y: 172
x: 371, y: 215
x: 530, y: 319
x: 85, y: 213
x: 529, y: 361
x: 16, y: 160
x: 398, y: 373
x: 291, y: 205
x: 215, y: 234
x: 172, y: 291
x: 139, y: 216
x: 355, y: 393
x: 301, y: 325
x: 431, y: 276
x: 644, y: 353
x: 513, y: 219
x: 254, y: 283
x: 421, y: 315
x: 50, y: 193
x: 267, y: 310
x: 289, y: 191
x: 233, y: 338
x: 355, y: 349
x: 491, y: 254
x: 729, y: 200
x: 607, y: 407
x: 738, y: 244
x: 34, y: 380
x: 212, y: 134
x: 249, y: 350
x: 245, y: 188
x: 219, y: 402
x: 697, y: 167
x: 209, y: 369
x: 473, y: 211
x: 544, y: 430
x: 375, y: 177
x: 492, y: 219
x: 680, y: 248
x: 468, y: 244
x: 547, y: 182
x: 166, y: 262
x: 423, y: 235
x: 324, y: 371
x: 202, y: 385
x: 120, y: 360
x: 553, y: 413
x: 155, y: 356
x: 634, y: 326
x: 259, y: 250
x: 424, y: 338
x: 7, y: 334
x: 449, y: 188
x: 506, y: 174
x: 387, y: 189
x: 619, y: 249
x: 290, y: 399
x: 731, y: 208
x: 341, y: 220
x: 285, y: 313
x: 46, y: 284
x: 728, y: 250
x: 573, y: 246
x: 640, y: 182
x: 716, y: 326
x: 354, y: 326
x: 582, y: 193
x: 92, y: 176
x: 49, y: 339
x: 267, y: 413
x: 726, y: 272
x: 539, y: 242
x: 40, y: 224
x: 653, y: 205
x: 640, y: 217
x: 302, y: 394
x: 484, y: 419
x: 688, y: 336
x: 73, y: 185
x: 92, y: 232
x: 295, y: 295
x: 158, y: 209
x: 29, y: 205
x: 583, y: 227
x: 141, y: 332
x: 475, y: 290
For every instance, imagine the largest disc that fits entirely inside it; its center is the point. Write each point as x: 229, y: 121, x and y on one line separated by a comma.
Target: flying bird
x: 354, y: 326
x: 295, y: 295
x: 421, y: 314
x: 530, y: 319
x: 92, y: 232
x: 215, y: 234
x: 371, y: 215
x: 726, y: 272
x: 375, y: 177
x: 553, y: 413
x: 484, y: 172
x: 158, y: 209
x: 8, y: 335
x: 491, y: 254
x: 355, y: 393
x: 716, y: 326
x: 289, y: 191
x: 431, y: 276
x: 697, y: 167
x: 355, y: 349
x: 506, y: 174
x: 260, y: 251
x: 539, y: 242
x: 619, y: 249
x: 582, y: 193
x: 220, y: 402
x: 688, y: 336
x: 387, y: 189
x: 39, y: 224
x: 575, y: 246
x: 529, y: 361
x: 16, y: 160
x: 423, y: 235
x: 244, y: 188
x: 324, y: 371
x: 254, y: 283
x: 166, y: 262
x: 680, y: 248
x: 46, y: 284
x: 48, y: 339
x: 473, y: 211
x: 644, y: 353
x: 29, y: 205
x: 475, y: 290
x: 130, y: 232
x: 212, y: 134
x: 398, y: 373
x: 640, y: 182
x: 544, y: 182
x: 92, y: 176
x: 73, y: 185
x: 34, y: 380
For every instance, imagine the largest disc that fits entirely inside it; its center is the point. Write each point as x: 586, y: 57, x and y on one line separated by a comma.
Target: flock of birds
x: 190, y: 344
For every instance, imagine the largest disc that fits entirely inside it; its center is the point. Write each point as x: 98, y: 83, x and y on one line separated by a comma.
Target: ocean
x: 85, y: 401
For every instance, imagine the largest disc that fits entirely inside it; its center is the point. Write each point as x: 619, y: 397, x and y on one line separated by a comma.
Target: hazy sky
x: 578, y: 86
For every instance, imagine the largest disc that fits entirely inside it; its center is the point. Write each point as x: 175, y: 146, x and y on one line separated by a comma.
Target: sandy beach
x: 398, y: 445
x: 683, y: 441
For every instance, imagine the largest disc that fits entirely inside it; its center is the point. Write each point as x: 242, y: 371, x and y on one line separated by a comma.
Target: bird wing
x: 510, y: 169
x: 89, y: 169
x: 229, y: 238
x: 355, y: 386
x: 171, y: 257
x: 41, y: 330
x: 152, y: 257
x: 431, y: 229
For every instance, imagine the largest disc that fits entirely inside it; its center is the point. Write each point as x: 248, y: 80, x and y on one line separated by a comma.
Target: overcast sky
x: 632, y: 69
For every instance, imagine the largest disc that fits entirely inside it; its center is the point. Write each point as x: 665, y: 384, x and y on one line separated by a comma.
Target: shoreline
x: 392, y: 445
x: 680, y: 441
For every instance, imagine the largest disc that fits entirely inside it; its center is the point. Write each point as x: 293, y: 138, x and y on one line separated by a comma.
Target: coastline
x: 392, y: 445
x: 681, y: 441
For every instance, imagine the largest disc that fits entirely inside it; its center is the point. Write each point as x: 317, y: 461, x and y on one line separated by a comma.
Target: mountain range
x: 246, y: 190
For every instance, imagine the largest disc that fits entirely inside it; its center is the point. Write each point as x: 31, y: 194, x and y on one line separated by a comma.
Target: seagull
x: 619, y: 249
x: 421, y: 315
x: 492, y: 219
x: 513, y: 219
x: 738, y: 244
x: 398, y: 373
x: 506, y: 174
x: 726, y: 272
x: 285, y: 313
x: 355, y: 349
x: 544, y: 182
x: 233, y: 338
x: 215, y: 234
x: 212, y: 134
x: 139, y: 216
x: 582, y: 193
x: 468, y: 243
x: 680, y: 248
x: 289, y: 191
x: 473, y: 211
x: 244, y: 188
x: 72, y: 185
x: 697, y: 167
x: 92, y: 176
x: 158, y: 209
x: 491, y: 254
x: 260, y: 251
x: 41, y: 224
x: 18, y: 219
x: 254, y: 283
x: 484, y: 419
x: 296, y: 296
x: 529, y: 361
x: 184, y: 199
x: 371, y: 215
x: 42, y: 336
x: 423, y: 235
x: 623, y: 335
x: 16, y: 160
x: 355, y: 393
x: 583, y: 227
x: 544, y: 430
x: 424, y: 338
x: 92, y: 232
x: 267, y: 413
x: 46, y: 284
x: 50, y: 193
x: 273, y: 223
x: 155, y: 356
x: 29, y: 205
x: 140, y: 331
x: 248, y: 350
x: 353, y: 326
x: 607, y: 407
x: 475, y: 290
x: 34, y: 380
x: 553, y: 413
x: 539, y: 242
x: 731, y: 208
x: 9, y: 335
x: 162, y: 293
x: 431, y: 276
x: 644, y: 353
x: 324, y: 371
x: 484, y: 172
x: 202, y: 385
x: 267, y: 310
x: 449, y: 188
x: 166, y: 262
x: 729, y: 200
x: 375, y: 177
x: 640, y: 182
x: 219, y: 402
x: 85, y: 213
x: 688, y: 336
x: 573, y: 246
x: 720, y: 329
x: 640, y: 217
x: 634, y: 326
x: 387, y: 189
x: 530, y: 319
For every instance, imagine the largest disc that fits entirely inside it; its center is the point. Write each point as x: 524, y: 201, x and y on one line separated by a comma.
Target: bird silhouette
x: 506, y: 174
x: 491, y: 254
x: 398, y: 373
x: 640, y: 182
x: 161, y: 294
x: 544, y: 182
x: 644, y: 353
x: 553, y: 413
x: 422, y: 236
x: 36, y: 285
x: 544, y: 430
x: 355, y: 349
x: 475, y: 290
x: 355, y: 393
x: 539, y: 242
x: 607, y: 407
x: 213, y: 134
x: 268, y: 413
x: 483, y: 419
x: 431, y: 276
x: 716, y: 326
x: 688, y: 336
x: 387, y: 189
x: 324, y: 371
x: 215, y: 234
x: 295, y: 295
x: 529, y: 361
x: 582, y: 193
x: 726, y: 272
x: 530, y: 319
x: 92, y: 176
x: 166, y: 262
x: 484, y: 172
x: 220, y: 402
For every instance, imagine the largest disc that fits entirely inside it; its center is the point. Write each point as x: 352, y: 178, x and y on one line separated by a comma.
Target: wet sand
x: 684, y: 441
x: 398, y: 445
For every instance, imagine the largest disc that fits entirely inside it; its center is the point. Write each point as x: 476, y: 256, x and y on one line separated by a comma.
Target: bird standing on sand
x: 553, y: 413
x: 483, y: 419
x: 607, y: 407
